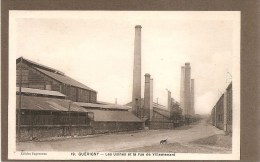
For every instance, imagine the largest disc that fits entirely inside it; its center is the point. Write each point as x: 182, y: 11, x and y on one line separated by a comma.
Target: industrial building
x: 37, y: 76
x: 45, y: 113
x: 154, y: 115
x: 221, y: 113
x: 112, y: 118
x: 161, y: 117
x: 51, y: 104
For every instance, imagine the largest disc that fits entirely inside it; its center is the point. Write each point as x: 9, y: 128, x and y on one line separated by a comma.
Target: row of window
x: 47, y: 119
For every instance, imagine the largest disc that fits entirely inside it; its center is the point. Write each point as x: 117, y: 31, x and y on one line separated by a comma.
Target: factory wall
x: 159, y: 117
x: 37, y: 124
x: 229, y: 108
x: 221, y: 113
x: 111, y: 127
x: 33, y: 78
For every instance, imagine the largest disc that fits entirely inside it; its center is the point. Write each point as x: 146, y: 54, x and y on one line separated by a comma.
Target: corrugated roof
x: 110, y: 116
x: 44, y: 103
x: 40, y: 91
x: 102, y: 106
x: 103, y: 103
x: 64, y: 79
x: 39, y: 65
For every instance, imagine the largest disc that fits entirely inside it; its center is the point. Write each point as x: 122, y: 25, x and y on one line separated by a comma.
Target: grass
x: 215, y: 140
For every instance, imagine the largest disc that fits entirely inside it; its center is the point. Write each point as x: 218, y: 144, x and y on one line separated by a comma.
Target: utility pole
x: 69, y: 111
x: 20, y: 100
x: 69, y: 118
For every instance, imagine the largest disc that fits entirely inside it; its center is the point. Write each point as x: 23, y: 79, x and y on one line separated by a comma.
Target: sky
x: 96, y: 48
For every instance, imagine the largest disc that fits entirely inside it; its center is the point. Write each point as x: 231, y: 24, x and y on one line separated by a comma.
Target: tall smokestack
x: 147, y: 96
x: 192, y: 97
x: 136, y: 96
x: 187, y: 98
x: 151, y: 99
x: 182, y: 89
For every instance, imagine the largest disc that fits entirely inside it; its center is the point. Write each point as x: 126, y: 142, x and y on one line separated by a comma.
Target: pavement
x: 178, y: 140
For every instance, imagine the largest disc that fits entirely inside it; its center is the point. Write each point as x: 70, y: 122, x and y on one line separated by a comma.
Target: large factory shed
x: 112, y: 118
x: 57, y: 105
x: 45, y: 114
x: 37, y: 76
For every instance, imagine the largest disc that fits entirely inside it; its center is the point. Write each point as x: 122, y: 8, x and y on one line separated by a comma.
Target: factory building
x: 228, y: 126
x: 221, y: 113
x: 219, y: 116
x: 45, y: 113
x: 187, y: 96
x: 52, y: 104
x: 39, y: 76
x: 109, y: 118
x: 157, y: 116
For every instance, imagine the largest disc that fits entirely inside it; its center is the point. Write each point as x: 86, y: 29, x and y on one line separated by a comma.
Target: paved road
x: 125, y: 141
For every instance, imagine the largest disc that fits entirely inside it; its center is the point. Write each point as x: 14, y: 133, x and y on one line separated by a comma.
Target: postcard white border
x: 13, y: 154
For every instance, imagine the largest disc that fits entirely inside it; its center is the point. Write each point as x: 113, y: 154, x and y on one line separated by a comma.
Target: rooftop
x: 103, y: 106
x: 40, y: 91
x: 110, y: 116
x: 156, y: 107
x: 47, y: 104
x: 54, y: 74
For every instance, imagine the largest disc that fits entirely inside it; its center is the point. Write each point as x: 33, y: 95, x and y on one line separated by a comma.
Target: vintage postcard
x: 124, y: 85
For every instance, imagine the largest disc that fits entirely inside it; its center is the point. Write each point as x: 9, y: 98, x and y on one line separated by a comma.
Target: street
x: 200, y: 137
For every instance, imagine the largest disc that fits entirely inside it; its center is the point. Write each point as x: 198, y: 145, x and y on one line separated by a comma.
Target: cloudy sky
x: 97, y: 47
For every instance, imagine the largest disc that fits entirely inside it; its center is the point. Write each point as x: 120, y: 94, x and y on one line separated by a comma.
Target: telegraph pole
x: 69, y: 111
x: 20, y: 100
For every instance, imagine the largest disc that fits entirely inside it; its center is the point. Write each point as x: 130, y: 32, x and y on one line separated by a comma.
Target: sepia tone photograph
x: 124, y: 84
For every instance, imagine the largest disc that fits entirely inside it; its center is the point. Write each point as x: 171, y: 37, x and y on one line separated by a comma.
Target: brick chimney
x: 136, y: 96
x: 182, y: 89
x: 187, y: 94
